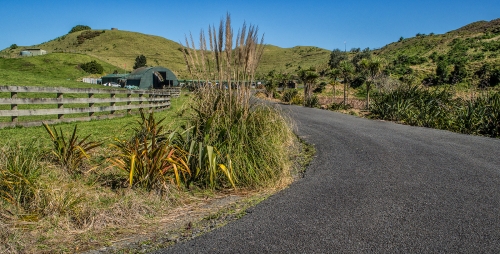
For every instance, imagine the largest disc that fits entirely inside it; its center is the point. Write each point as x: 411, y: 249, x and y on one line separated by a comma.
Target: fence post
x: 113, y: 103
x: 60, y: 105
x: 13, y: 95
x: 91, y: 105
x: 163, y: 99
x: 129, y: 95
x: 151, y: 102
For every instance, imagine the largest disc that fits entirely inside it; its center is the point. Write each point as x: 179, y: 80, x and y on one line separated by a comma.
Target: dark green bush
x: 78, y: 28
x: 87, y: 35
x: 92, y: 67
x: 320, y: 88
x: 339, y: 106
x: 140, y: 61
x: 312, y: 102
x: 289, y: 94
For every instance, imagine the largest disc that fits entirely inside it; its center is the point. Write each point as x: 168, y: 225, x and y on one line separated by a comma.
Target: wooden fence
x: 174, y: 91
x: 31, y: 103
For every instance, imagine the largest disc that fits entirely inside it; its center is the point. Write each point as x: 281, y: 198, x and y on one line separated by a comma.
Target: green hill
x: 289, y: 59
x: 473, y: 45
x: 120, y: 48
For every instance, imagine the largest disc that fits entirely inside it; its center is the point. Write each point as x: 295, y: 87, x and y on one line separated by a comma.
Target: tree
x: 371, y: 69
x: 360, y: 55
x: 336, y: 57
x: 487, y: 76
x: 92, y: 67
x: 442, y: 72
x: 346, y: 69
x: 78, y: 28
x: 283, y: 78
x: 13, y: 46
x: 334, y: 75
x: 458, y: 74
x: 140, y: 61
x: 271, y: 83
x: 308, y: 77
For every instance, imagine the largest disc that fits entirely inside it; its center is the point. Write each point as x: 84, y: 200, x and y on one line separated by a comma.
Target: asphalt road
x: 374, y: 187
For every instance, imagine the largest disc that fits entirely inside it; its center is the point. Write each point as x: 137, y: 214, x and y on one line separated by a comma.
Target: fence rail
x: 34, y: 97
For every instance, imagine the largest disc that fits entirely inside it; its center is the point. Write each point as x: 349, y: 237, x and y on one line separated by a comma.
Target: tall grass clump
x: 440, y: 109
x: 251, y: 139
x: 20, y: 169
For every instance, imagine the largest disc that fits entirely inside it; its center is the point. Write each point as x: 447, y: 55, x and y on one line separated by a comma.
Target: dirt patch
x: 186, y: 222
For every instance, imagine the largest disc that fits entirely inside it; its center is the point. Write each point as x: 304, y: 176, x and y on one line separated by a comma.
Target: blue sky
x: 325, y: 24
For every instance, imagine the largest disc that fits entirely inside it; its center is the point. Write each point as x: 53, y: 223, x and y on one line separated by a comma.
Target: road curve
x: 374, y: 186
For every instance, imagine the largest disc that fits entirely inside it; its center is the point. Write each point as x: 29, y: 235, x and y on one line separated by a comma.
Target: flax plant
x: 152, y: 158
x: 439, y: 109
x: 70, y: 151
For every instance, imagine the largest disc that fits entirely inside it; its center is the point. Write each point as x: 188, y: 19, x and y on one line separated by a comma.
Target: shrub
x: 152, y: 158
x: 140, y: 61
x: 312, y: 101
x: 78, y: 28
x: 70, y: 152
x: 297, y: 100
x: 438, y: 109
x: 13, y: 46
x: 87, y: 35
x: 340, y: 106
x: 251, y: 138
x: 289, y: 94
x: 92, y: 67
x: 248, y: 137
x: 480, y: 116
x: 320, y: 88
x: 20, y: 169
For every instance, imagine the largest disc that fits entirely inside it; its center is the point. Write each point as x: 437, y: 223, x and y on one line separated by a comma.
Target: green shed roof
x: 152, y: 77
x: 116, y: 75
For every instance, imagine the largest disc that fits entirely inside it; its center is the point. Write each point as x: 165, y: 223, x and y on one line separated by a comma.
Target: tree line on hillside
x: 463, y: 63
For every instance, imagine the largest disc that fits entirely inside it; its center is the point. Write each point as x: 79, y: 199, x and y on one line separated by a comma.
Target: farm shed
x: 113, y: 78
x: 152, y: 77
x: 33, y: 52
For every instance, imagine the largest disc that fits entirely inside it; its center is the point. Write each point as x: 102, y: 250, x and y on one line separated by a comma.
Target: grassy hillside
x: 288, y: 59
x: 55, y: 69
x: 474, y: 44
x: 120, y: 48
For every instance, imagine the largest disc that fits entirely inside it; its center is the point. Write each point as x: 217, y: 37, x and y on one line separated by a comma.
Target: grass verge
x: 95, y: 209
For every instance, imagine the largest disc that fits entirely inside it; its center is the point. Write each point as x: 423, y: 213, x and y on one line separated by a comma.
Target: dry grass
x: 82, y: 213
